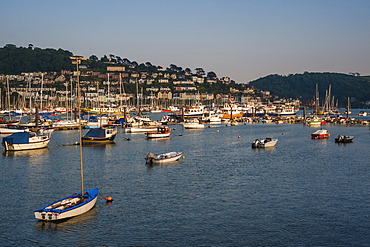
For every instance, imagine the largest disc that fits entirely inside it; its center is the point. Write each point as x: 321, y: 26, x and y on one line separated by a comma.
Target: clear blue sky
x: 242, y: 39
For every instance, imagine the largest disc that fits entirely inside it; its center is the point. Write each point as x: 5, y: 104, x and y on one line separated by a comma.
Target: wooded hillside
x: 303, y: 86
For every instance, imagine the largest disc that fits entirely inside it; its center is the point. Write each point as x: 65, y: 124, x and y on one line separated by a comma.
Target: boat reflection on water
x: 26, y: 153
x: 74, y: 222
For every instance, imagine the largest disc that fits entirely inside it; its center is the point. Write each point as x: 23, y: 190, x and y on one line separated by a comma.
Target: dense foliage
x: 303, y: 86
x: 14, y: 60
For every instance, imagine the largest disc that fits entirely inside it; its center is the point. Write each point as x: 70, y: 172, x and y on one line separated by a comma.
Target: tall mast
x: 77, y: 61
x: 42, y: 83
x: 7, y: 84
x: 317, y: 98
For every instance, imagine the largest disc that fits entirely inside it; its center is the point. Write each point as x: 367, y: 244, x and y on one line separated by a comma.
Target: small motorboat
x: 344, y: 139
x: 320, y: 134
x: 268, y: 142
x: 163, y: 158
x: 162, y: 132
x: 362, y: 114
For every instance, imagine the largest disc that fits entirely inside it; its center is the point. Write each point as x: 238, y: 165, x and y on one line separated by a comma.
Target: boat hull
x: 320, y: 136
x: 344, y: 139
x: 29, y: 146
x: 52, y: 214
x: 97, y: 140
x: 264, y: 143
x: 158, y: 135
x: 164, y: 158
x: 193, y: 126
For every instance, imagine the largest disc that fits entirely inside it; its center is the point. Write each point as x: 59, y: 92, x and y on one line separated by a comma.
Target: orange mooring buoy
x: 109, y: 199
x: 238, y: 136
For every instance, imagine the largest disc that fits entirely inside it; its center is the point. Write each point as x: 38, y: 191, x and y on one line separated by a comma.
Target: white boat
x: 76, y: 204
x: 163, y: 158
x: 25, y: 141
x: 162, y: 132
x: 268, y: 142
x: 65, y: 124
x: 68, y: 207
x: 320, y: 134
x: 193, y: 124
x: 196, y: 110
x: 96, y: 122
x: 362, y: 114
x: 141, y: 130
x: 11, y: 129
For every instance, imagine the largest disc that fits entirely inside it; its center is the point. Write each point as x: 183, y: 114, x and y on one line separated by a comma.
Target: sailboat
x: 78, y: 203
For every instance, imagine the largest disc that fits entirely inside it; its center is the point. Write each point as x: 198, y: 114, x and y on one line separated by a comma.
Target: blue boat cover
x: 17, y: 138
x: 96, y: 132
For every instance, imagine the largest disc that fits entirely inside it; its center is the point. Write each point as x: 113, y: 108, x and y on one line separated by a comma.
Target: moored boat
x: 4, y: 121
x: 193, y: 124
x: 68, y: 207
x: 65, y: 124
x: 99, y: 136
x: 80, y: 203
x: 362, y: 114
x: 344, y: 138
x: 25, y: 141
x: 268, y: 142
x: 163, y: 158
x: 162, y: 132
x: 320, y: 134
x: 10, y: 129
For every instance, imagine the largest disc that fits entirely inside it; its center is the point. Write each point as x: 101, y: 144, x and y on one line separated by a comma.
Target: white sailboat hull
x: 35, y: 143
x: 52, y: 215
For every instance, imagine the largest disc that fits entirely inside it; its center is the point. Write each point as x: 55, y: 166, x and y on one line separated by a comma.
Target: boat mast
x: 7, y: 85
x: 77, y: 61
x: 42, y: 83
x: 317, y: 98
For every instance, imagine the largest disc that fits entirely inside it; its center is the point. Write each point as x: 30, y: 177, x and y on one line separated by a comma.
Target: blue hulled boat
x: 68, y: 207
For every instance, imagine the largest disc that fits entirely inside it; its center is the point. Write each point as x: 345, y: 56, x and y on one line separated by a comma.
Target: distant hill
x: 14, y: 60
x: 303, y: 87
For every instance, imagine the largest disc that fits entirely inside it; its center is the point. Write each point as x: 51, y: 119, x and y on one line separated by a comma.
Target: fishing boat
x: 162, y: 132
x: 344, y: 139
x: 25, y: 141
x: 268, y: 142
x: 163, y: 158
x: 11, y: 129
x: 75, y: 204
x: 320, y: 134
x: 99, y: 136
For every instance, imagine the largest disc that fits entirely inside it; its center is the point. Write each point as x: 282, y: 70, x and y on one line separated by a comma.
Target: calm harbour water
x: 224, y: 193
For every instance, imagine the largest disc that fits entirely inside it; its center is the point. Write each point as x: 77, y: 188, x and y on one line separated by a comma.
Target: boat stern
x: 47, y: 216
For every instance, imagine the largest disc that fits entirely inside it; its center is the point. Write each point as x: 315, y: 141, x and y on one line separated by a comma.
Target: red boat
x: 320, y: 134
